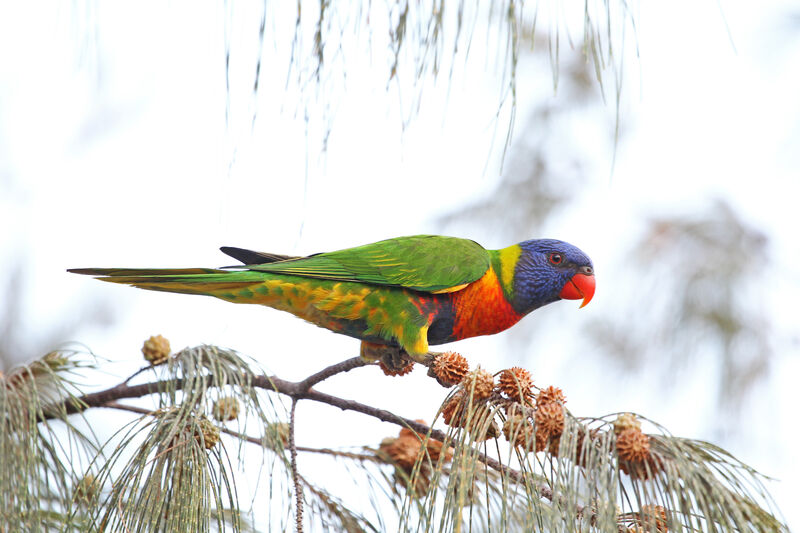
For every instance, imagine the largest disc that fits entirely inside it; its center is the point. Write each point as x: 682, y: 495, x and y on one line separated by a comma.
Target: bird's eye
x: 556, y: 258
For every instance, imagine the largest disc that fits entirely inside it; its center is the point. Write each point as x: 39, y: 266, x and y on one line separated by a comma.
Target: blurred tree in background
x: 708, y: 300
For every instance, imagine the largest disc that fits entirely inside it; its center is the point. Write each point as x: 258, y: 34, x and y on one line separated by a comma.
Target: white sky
x: 114, y: 151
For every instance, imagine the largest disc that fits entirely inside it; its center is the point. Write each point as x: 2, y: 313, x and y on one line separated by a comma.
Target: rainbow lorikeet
x: 397, y: 295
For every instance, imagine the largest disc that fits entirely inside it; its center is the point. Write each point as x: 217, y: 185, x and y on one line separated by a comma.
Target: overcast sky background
x: 115, y: 151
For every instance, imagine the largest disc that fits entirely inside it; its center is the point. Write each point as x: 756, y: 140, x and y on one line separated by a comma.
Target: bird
x: 397, y: 296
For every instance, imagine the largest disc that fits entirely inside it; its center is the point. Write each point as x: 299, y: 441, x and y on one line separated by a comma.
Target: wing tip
x: 84, y: 271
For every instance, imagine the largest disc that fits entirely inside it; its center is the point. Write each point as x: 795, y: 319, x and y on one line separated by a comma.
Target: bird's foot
x: 373, y: 351
x: 393, y: 359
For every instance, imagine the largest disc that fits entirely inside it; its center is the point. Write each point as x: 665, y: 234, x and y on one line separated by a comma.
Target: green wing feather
x: 428, y: 263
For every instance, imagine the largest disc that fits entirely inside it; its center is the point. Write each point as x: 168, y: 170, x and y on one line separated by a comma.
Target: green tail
x: 206, y: 281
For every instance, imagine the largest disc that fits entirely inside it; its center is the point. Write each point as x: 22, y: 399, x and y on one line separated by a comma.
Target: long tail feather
x: 206, y: 281
x: 144, y: 271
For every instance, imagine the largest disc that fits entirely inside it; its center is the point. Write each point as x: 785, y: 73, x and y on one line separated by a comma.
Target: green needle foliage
x: 38, y: 441
x: 180, y: 477
x: 511, y: 460
x: 177, y: 479
x: 411, y: 45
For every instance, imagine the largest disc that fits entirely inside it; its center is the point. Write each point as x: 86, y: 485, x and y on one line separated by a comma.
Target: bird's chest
x: 482, y: 309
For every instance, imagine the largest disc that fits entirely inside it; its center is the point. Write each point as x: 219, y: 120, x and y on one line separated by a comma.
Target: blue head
x: 548, y: 270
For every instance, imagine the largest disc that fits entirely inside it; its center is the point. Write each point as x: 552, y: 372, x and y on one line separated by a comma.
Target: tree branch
x: 300, y: 390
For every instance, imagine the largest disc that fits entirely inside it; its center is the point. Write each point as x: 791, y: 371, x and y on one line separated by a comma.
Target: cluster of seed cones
x: 532, y: 419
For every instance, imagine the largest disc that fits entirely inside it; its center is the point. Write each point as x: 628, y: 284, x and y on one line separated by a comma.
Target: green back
x: 426, y: 263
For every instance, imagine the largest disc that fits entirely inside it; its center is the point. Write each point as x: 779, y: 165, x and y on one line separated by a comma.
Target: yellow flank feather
x: 420, y: 346
x: 326, y: 303
x: 317, y: 304
x: 508, y: 261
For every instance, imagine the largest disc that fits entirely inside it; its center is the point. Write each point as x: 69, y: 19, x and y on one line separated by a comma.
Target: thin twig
x: 344, y: 366
x: 298, y: 488
x: 143, y: 369
x: 340, y: 453
x: 131, y: 408
x: 260, y: 442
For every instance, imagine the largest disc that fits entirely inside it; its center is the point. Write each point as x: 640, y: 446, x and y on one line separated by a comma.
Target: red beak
x: 580, y: 286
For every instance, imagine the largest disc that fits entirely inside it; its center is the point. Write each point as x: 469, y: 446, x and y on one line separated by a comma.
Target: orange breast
x: 482, y: 308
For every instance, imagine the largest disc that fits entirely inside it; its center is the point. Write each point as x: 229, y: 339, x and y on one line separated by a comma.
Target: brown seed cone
x: 644, y: 470
x: 279, y: 431
x: 384, y: 447
x: 544, y: 441
x: 550, y: 419
x: 635, y: 459
x: 540, y: 442
x: 449, y: 368
x: 395, y: 446
x: 479, y: 383
x: 435, y: 450
x: 156, y: 349
x: 516, y: 383
x: 652, y: 516
x: 210, y: 433
x: 226, y: 409
x: 87, y: 489
x: 549, y: 395
x: 633, y: 445
x: 555, y: 444
x: 584, y: 444
x: 456, y: 413
x: 403, y: 451
x: 518, y: 430
x: 626, y: 421
x: 452, y: 410
x: 396, y: 372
